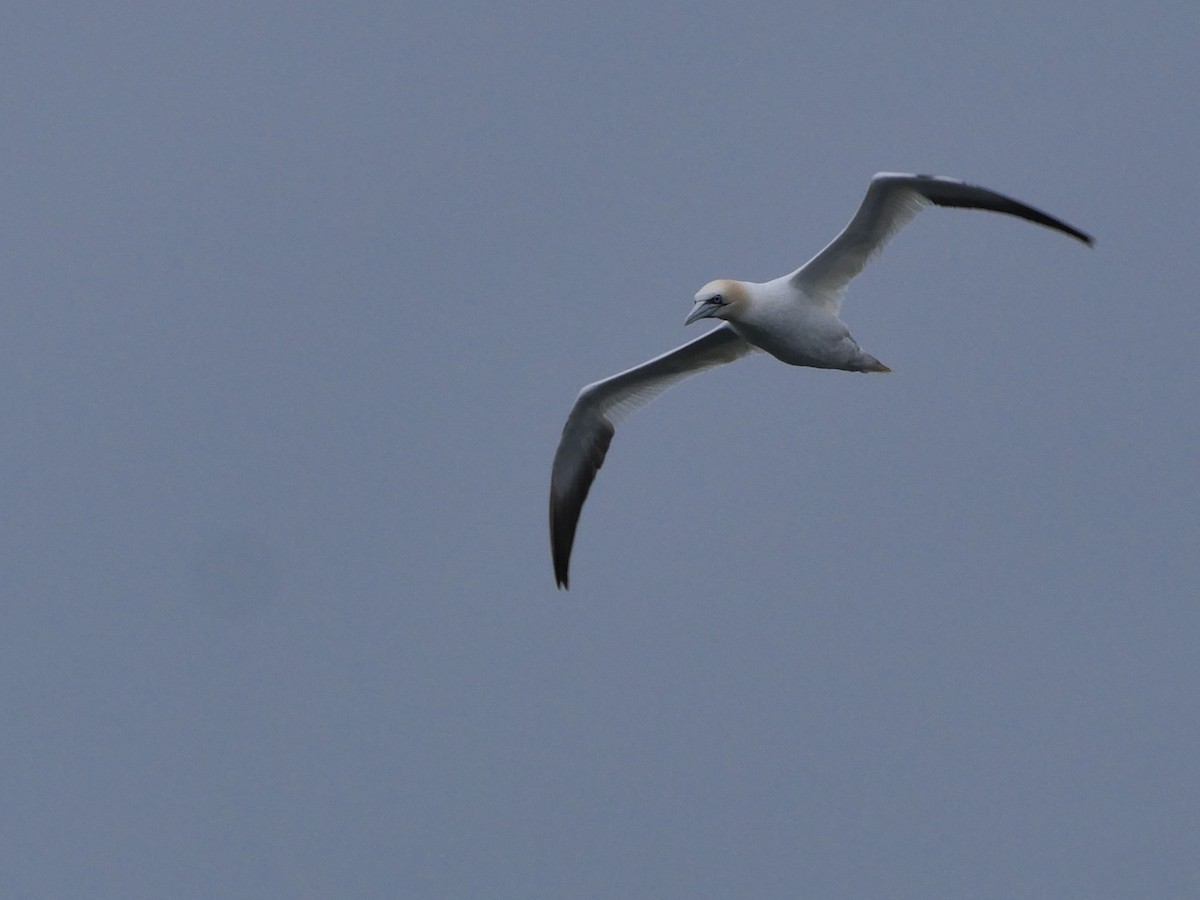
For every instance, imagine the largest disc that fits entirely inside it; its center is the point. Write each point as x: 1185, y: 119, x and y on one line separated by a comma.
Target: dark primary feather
x: 945, y: 192
x: 565, y: 506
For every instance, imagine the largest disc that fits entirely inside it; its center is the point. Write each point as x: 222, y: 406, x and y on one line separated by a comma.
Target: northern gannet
x: 794, y: 318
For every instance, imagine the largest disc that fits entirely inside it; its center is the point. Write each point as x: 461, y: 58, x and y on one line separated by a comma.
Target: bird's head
x: 720, y: 299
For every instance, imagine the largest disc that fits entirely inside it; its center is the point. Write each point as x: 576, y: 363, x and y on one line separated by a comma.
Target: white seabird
x: 794, y: 318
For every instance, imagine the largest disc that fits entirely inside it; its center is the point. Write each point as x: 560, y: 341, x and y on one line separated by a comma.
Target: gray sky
x: 296, y: 299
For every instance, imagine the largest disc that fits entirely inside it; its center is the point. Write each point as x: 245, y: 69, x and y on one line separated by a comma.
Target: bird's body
x: 778, y: 317
x: 795, y: 318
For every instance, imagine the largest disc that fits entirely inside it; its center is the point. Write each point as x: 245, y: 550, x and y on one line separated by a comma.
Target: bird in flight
x: 794, y: 318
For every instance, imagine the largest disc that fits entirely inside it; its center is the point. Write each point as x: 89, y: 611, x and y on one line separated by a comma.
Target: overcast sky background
x: 296, y: 298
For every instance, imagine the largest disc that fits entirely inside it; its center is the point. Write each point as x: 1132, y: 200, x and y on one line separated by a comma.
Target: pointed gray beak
x: 704, y: 309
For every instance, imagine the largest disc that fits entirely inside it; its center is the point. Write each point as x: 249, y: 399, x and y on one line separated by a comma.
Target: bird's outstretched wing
x: 891, y: 201
x: 591, y: 424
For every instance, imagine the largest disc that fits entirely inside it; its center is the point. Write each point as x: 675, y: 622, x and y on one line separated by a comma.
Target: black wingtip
x: 560, y: 573
x: 562, y: 536
x: 950, y: 192
x: 1082, y: 236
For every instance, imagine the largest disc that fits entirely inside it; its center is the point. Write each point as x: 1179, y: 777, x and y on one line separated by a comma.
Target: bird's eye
x: 719, y: 300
